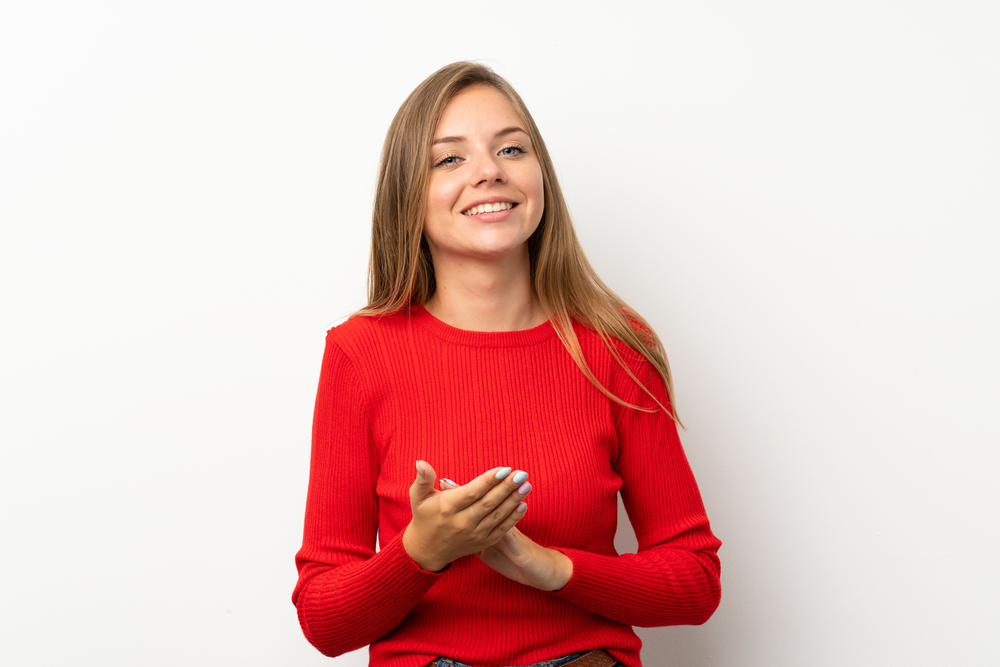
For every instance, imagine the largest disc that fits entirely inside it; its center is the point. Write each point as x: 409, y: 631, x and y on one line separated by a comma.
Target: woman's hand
x: 518, y: 557
x: 461, y: 520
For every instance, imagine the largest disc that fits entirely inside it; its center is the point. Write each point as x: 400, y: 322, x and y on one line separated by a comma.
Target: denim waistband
x: 448, y: 662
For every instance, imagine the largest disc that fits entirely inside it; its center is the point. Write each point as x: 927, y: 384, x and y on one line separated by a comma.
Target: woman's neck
x: 485, y: 296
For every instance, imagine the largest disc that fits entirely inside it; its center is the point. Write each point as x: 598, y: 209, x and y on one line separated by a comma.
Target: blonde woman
x: 481, y: 415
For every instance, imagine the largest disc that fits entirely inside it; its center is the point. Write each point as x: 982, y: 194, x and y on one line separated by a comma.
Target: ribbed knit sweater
x: 405, y: 387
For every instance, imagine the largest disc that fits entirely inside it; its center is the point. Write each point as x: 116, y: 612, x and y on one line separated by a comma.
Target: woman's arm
x: 674, y: 577
x: 348, y: 595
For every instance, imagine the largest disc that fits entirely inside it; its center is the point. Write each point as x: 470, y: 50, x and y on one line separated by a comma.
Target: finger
x: 501, y: 500
x: 495, y: 497
x: 423, y: 485
x: 514, y: 534
x: 511, y: 544
x: 477, y: 488
x: 491, y: 556
x: 508, y: 523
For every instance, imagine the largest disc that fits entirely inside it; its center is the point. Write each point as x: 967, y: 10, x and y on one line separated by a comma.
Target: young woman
x: 482, y: 414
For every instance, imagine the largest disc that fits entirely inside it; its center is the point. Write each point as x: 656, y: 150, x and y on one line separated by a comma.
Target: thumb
x: 512, y: 543
x: 423, y: 485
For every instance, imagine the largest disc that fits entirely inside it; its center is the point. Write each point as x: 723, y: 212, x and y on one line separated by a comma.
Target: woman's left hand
x: 518, y: 557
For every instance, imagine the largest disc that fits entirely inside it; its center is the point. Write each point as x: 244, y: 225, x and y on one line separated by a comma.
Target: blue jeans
x: 448, y: 662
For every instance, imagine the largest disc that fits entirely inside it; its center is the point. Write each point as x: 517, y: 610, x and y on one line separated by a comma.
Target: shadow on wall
x: 686, y: 645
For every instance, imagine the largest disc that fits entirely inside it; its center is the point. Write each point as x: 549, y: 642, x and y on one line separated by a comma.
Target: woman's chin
x: 497, y: 252
x: 491, y: 248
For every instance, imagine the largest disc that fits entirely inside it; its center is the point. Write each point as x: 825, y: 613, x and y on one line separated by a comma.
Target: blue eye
x: 511, y: 151
x: 446, y: 161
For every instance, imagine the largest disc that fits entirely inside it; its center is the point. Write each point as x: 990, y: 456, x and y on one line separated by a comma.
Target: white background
x: 801, y: 197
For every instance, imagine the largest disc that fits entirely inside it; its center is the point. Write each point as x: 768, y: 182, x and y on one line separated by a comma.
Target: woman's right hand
x: 461, y: 520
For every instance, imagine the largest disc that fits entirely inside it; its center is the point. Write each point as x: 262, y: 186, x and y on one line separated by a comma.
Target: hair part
x: 401, y: 273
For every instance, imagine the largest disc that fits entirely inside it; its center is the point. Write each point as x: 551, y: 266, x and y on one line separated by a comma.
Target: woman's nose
x: 487, y: 169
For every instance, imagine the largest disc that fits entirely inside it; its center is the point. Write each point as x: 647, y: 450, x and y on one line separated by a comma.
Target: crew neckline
x: 422, y: 317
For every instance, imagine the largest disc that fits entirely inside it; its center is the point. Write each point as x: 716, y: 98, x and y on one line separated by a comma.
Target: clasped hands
x: 479, y: 518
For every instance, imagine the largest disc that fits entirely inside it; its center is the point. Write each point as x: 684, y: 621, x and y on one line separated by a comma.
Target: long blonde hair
x: 401, y: 274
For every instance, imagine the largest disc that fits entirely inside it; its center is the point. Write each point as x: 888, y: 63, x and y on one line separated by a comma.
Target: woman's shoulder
x: 624, y: 371
x: 593, y: 345
x: 359, y: 335
x: 362, y: 326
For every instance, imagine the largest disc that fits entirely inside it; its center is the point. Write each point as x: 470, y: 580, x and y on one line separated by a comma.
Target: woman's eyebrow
x: 453, y: 140
x: 509, y: 130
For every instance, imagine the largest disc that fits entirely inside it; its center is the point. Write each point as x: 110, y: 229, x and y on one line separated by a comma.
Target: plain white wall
x: 801, y: 197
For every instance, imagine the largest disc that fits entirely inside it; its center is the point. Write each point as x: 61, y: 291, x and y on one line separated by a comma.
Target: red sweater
x: 405, y: 387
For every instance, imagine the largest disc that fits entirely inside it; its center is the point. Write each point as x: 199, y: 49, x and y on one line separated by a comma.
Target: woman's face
x: 481, y: 159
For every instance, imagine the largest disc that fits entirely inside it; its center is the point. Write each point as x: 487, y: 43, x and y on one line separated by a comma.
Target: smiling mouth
x: 489, y: 208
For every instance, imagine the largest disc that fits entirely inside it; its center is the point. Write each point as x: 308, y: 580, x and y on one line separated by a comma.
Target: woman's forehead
x: 477, y: 108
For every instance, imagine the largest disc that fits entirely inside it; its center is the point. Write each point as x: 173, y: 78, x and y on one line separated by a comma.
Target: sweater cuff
x: 390, y: 582
x: 597, y: 583
x: 577, y: 584
x: 397, y: 557
x: 374, y: 594
x: 644, y: 589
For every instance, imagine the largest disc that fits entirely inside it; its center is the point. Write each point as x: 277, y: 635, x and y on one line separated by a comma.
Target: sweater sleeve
x: 674, y: 577
x: 348, y: 595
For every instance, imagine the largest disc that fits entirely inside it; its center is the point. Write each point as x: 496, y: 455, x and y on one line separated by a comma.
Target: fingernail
x: 448, y: 481
x: 524, y: 489
x: 420, y: 469
x: 520, y: 476
x: 522, y: 508
x: 503, y: 473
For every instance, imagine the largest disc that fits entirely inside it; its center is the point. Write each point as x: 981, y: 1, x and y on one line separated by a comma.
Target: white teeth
x: 489, y: 208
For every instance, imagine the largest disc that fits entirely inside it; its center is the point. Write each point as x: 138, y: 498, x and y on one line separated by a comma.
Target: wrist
x: 562, y: 569
x: 412, y: 547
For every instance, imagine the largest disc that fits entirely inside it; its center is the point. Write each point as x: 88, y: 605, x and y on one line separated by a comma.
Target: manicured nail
x: 520, y: 476
x: 420, y: 469
x: 524, y: 489
x: 503, y: 472
x: 522, y: 508
x: 448, y: 481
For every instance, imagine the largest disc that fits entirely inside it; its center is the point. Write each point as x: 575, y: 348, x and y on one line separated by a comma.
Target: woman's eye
x: 446, y: 161
x: 511, y: 151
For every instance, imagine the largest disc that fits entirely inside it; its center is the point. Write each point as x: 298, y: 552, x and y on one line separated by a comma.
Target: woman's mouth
x: 489, y: 208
